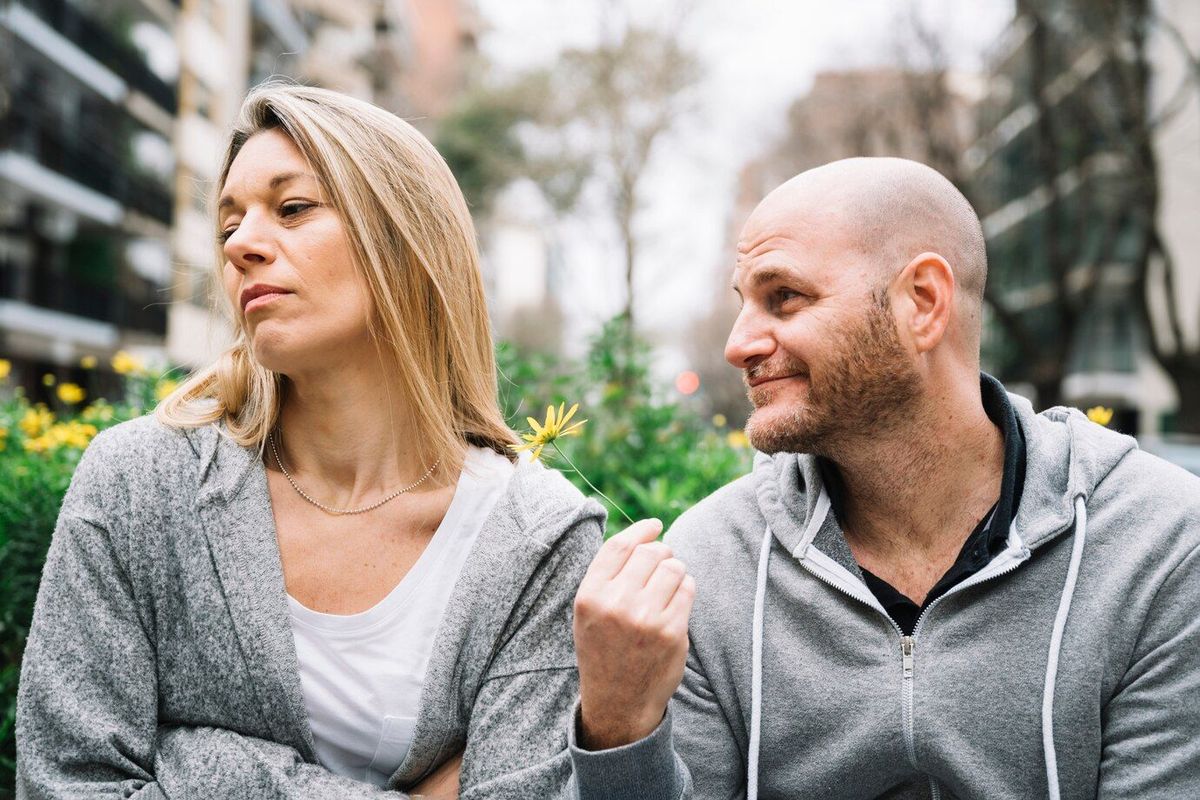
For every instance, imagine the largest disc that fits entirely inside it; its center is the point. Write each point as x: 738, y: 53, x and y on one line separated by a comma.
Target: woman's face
x: 288, y: 268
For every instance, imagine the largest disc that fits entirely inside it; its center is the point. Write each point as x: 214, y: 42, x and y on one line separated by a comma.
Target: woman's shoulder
x: 145, y: 439
x: 547, y: 507
x: 143, y: 452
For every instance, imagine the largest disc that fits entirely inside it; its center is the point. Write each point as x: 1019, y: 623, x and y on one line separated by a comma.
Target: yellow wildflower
x: 5, y: 368
x: 125, y: 363
x: 547, y: 432
x: 719, y: 420
x: 48, y: 380
x: 1100, y: 415
x: 99, y: 411
x: 36, y: 420
x: 737, y: 440
x: 62, y: 434
x: 164, y: 389
x: 88, y: 362
x: 71, y: 393
x: 3, y: 439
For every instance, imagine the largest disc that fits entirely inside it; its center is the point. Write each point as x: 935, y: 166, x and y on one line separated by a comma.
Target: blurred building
x: 1055, y: 185
x: 88, y: 99
x: 923, y: 115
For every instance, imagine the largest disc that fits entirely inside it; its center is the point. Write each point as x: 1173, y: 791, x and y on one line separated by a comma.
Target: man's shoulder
x: 717, y: 526
x: 1148, y: 485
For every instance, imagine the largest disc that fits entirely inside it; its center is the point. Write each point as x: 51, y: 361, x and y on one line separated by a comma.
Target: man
x: 923, y: 589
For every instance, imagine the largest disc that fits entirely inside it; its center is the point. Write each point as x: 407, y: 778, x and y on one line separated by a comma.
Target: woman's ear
x: 927, y: 283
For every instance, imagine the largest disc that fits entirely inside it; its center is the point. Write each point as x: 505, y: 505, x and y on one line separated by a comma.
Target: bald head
x: 890, y: 210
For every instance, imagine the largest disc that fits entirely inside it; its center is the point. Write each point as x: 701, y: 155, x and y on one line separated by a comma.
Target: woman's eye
x: 223, y: 236
x: 292, y: 209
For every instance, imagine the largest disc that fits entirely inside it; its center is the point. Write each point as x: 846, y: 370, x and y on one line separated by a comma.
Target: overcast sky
x: 759, y: 56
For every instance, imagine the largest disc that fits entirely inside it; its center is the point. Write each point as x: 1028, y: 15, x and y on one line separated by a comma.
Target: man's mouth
x: 758, y: 380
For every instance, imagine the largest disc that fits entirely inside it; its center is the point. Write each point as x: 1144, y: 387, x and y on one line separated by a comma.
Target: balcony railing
x: 98, y: 41
x: 56, y: 290
x: 75, y: 154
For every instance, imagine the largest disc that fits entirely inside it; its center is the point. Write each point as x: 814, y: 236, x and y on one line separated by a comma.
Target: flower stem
x: 589, y: 483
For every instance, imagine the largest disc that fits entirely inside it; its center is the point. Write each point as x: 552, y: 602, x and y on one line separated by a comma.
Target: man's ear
x: 927, y: 283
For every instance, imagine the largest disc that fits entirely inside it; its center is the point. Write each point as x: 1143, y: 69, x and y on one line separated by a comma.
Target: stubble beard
x: 864, y: 391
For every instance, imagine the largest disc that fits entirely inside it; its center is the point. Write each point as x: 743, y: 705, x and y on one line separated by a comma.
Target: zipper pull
x: 907, y: 643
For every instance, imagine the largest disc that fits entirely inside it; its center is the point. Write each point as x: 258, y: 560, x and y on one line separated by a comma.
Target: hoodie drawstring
x: 1060, y: 623
x: 760, y: 599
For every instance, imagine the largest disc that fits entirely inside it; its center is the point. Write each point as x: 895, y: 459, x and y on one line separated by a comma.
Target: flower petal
x: 570, y: 414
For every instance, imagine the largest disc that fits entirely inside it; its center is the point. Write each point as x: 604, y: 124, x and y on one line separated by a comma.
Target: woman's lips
x: 262, y: 300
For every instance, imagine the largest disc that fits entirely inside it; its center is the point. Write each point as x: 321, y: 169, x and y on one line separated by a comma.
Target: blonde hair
x: 414, y: 243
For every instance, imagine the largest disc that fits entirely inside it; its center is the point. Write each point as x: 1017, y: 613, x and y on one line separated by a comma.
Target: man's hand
x: 631, y: 618
x: 442, y: 783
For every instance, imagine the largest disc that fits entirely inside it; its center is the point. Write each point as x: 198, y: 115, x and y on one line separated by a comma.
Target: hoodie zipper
x: 908, y: 644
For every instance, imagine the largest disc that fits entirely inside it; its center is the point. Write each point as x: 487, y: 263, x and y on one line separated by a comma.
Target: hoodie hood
x: 1067, y: 456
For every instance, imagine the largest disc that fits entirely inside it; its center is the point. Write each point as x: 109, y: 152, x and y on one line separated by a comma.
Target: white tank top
x: 362, y: 673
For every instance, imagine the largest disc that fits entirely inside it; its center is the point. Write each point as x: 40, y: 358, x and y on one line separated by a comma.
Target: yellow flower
x: 737, y: 440
x: 550, y: 430
x: 5, y: 368
x: 48, y: 379
x: 35, y: 421
x: 719, y: 420
x: 125, y: 363
x: 164, y: 388
x: 71, y: 393
x: 99, y: 411
x: 88, y: 362
x: 63, y: 434
x: 3, y: 439
x: 1100, y: 415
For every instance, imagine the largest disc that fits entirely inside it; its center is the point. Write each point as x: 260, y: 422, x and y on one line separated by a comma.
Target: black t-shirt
x: 989, y: 537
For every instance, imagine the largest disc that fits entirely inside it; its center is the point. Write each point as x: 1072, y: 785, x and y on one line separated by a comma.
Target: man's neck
x: 914, y: 494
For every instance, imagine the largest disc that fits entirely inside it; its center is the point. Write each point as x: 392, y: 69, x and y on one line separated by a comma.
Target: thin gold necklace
x: 342, y: 511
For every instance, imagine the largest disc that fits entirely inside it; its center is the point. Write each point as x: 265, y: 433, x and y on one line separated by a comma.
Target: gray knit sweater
x: 161, y: 662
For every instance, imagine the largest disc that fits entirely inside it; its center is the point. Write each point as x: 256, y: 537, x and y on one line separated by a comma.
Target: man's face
x: 815, y: 338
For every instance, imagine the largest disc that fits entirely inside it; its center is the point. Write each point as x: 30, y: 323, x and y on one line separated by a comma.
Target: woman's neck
x: 348, y: 435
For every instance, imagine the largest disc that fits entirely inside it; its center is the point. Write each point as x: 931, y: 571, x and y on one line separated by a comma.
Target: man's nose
x: 749, y: 342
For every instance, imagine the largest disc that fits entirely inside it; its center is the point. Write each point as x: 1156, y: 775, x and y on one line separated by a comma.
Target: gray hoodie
x: 1068, y: 667
x: 161, y: 661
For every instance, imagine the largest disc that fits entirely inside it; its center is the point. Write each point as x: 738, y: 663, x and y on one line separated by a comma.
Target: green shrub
x: 652, y: 457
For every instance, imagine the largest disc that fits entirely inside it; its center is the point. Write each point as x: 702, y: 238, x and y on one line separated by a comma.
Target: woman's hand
x: 631, y: 624
x: 442, y: 784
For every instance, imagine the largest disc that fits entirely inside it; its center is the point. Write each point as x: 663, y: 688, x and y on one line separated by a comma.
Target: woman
x: 316, y: 571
